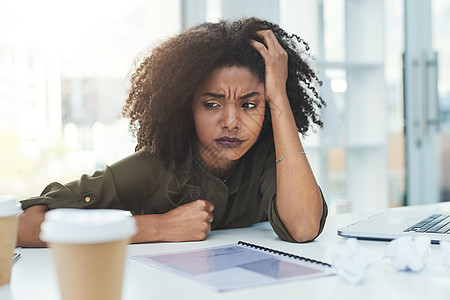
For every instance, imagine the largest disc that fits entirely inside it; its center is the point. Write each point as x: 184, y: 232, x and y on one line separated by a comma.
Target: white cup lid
x: 9, y: 206
x: 86, y: 226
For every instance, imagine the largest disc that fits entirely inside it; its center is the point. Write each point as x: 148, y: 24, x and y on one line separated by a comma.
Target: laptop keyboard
x: 436, y: 223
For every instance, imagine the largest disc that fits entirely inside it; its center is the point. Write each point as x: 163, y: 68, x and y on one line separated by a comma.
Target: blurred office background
x: 385, y: 65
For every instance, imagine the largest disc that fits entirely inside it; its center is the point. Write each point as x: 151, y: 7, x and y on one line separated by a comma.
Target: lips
x: 228, y: 142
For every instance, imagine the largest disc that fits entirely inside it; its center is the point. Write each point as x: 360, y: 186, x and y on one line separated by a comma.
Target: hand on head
x: 276, y: 63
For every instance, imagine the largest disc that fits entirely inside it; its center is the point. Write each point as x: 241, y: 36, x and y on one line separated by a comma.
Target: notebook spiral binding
x: 283, y: 253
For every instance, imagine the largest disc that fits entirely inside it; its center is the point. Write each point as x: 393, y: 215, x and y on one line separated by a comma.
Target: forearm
x: 149, y: 229
x: 29, y: 226
x: 299, y: 201
x: 31, y: 219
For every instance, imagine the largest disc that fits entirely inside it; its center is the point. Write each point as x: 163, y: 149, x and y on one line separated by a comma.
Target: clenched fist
x: 189, y: 222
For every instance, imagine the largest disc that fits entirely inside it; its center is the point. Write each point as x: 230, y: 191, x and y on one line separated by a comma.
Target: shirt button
x: 87, y: 199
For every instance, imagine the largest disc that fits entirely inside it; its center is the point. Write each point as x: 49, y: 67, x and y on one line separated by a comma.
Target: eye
x: 211, y: 105
x: 248, y: 105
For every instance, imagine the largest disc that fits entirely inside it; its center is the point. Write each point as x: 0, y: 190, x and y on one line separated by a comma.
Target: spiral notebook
x: 238, y: 266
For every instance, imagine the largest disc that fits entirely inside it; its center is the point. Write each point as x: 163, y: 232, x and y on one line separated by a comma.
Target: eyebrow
x: 246, y: 96
x: 249, y: 95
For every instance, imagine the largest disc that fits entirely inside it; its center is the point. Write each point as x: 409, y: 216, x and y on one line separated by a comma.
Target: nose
x: 230, y: 118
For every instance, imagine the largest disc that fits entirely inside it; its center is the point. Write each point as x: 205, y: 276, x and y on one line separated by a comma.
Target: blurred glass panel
x: 441, y: 44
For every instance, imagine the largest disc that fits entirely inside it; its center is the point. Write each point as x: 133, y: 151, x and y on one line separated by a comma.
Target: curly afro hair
x: 159, y: 103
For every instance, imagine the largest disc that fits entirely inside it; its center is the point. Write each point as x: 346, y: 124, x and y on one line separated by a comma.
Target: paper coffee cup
x: 9, y: 210
x: 89, y: 250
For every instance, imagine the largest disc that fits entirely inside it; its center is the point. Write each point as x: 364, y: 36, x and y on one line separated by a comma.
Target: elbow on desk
x: 304, y: 234
x: 300, y: 231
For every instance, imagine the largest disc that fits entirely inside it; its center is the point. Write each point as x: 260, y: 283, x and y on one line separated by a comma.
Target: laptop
x: 405, y: 221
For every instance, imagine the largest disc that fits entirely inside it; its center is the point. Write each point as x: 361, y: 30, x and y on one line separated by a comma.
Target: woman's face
x: 228, y: 109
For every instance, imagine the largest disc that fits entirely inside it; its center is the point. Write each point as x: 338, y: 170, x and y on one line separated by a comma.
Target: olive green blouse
x: 142, y: 184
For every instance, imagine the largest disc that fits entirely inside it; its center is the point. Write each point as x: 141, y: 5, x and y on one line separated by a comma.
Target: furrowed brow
x: 249, y: 95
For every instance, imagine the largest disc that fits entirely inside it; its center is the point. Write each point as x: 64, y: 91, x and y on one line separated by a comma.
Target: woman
x: 216, y: 112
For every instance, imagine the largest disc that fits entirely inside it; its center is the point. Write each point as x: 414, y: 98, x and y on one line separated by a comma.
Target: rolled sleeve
x: 95, y: 191
x: 126, y: 185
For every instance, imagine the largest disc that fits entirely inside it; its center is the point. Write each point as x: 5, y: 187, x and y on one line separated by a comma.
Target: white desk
x: 34, y: 277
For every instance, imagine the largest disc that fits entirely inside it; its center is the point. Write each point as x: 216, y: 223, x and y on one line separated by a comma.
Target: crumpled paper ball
x: 352, y: 263
x: 408, y: 253
x: 445, y: 250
